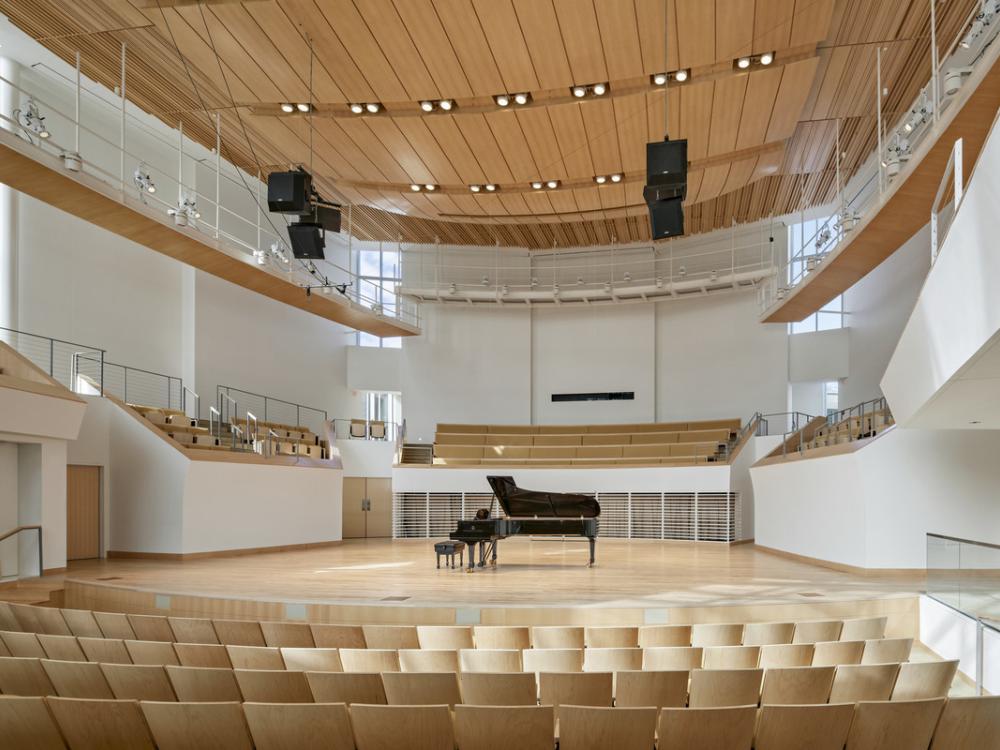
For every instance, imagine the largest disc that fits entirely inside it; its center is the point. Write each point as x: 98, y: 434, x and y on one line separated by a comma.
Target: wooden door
x: 83, y: 512
x: 354, y: 516
x: 380, y: 515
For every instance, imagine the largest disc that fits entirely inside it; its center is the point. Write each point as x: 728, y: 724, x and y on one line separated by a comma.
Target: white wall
x: 714, y: 360
x: 873, y: 507
x: 739, y: 477
x: 469, y: 365
x: 819, y: 356
x: 877, y: 309
x: 598, y: 349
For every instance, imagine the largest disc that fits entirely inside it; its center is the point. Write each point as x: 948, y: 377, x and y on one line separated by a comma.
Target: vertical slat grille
x: 682, y: 516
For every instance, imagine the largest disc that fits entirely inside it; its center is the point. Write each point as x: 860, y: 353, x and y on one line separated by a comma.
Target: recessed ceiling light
x: 536, y: 185
x: 600, y: 179
x: 600, y: 89
x: 522, y: 98
x: 681, y: 75
x: 579, y: 91
x: 415, y: 188
x: 446, y: 104
x: 427, y: 106
x: 659, y: 78
x: 430, y: 187
x: 303, y: 107
x: 616, y: 178
x: 491, y: 188
x: 767, y: 58
x: 552, y: 184
x: 373, y: 107
x: 475, y: 188
x: 357, y: 108
x: 743, y: 63
x: 502, y: 100
x: 286, y: 107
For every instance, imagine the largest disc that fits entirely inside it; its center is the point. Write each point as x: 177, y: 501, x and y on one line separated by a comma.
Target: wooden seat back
x: 659, y: 689
x: 200, y: 684
x: 499, y: 689
x: 706, y: 728
x: 77, y: 679
x: 273, y: 686
x: 658, y: 636
x: 672, y: 658
x: 304, y: 726
x: 141, y: 682
x: 187, y: 726
x: 502, y: 636
x: 490, y: 660
x: 900, y: 725
x: 863, y: 682
x: 421, y: 688
x: 589, y: 728
x: 87, y: 723
x: 412, y: 727
x: 489, y: 727
x: 716, y: 688
x: 346, y: 687
x: 797, y: 685
x: 823, y: 727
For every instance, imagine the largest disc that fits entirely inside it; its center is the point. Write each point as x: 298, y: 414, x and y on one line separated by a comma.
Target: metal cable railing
x: 58, y: 358
x: 235, y: 402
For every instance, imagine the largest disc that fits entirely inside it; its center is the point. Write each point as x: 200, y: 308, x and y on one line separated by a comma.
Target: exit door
x: 83, y: 512
x: 367, y: 508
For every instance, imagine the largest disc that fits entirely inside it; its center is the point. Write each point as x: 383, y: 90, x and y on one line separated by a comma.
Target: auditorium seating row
x: 128, y: 651
x: 696, y: 688
x: 852, y: 428
x: 93, y: 624
x: 956, y: 724
x: 643, y: 444
x: 292, y: 440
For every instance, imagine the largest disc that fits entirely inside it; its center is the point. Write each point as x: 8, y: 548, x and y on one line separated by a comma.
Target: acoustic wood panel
x: 238, y: 58
x: 83, y: 512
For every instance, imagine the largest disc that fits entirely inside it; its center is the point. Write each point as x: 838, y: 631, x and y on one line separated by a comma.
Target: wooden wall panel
x: 83, y: 512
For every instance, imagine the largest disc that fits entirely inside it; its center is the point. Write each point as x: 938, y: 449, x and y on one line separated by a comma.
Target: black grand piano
x: 528, y: 512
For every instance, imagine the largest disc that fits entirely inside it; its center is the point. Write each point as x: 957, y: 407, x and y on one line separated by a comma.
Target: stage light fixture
x: 303, y: 107
x: 357, y: 108
x: 31, y: 119
x: 502, y: 100
x: 427, y: 106
x: 491, y: 188
x: 536, y: 185
x: 681, y: 75
x: 475, y: 188
x: 659, y: 79
x: 415, y: 188
x: 522, y: 99
x: 616, y: 177
x: 600, y: 179
x: 600, y: 89
x: 743, y: 63
x: 446, y: 104
x: 287, y: 108
x: 429, y: 187
x: 579, y: 91
x: 142, y: 180
x: 607, y: 287
x: 373, y: 107
x: 552, y: 184
x: 767, y: 58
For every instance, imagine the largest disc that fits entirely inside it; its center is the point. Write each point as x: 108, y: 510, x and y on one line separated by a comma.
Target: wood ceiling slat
x: 649, y: 15
x: 694, y: 184
x: 354, y: 34
x: 727, y: 111
x: 713, y: 182
x: 420, y: 138
x: 503, y: 34
x: 772, y: 26
x: 630, y: 127
x: 695, y: 112
x: 571, y: 135
x: 514, y: 203
x: 327, y: 47
x: 612, y: 196
x: 696, y: 31
x: 762, y: 89
x: 391, y: 35
x: 479, y: 137
x: 469, y: 42
x: 582, y: 40
x: 795, y: 82
x: 431, y: 40
x: 811, y: 22
x: 740, y: 173
x: 538, y: 133
x: 387, y: 132
x: 619, y: 34
x: 734, y: 32
x: 540, y: 27
x: 447, y: 136
x: 602, y: 136
x: 369, y: 141
x: 509, y: 137
x: 588, y: 199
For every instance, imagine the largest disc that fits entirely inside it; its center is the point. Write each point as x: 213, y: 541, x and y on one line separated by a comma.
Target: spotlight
x: 303, y: 107
x: 579, y: 91
x: 600, y: 179
x: 186, y: 211
x: 427, y: 106
x: 446, y: 104
x: 743, y: 63
x: 504, y: 290
x: 430, y: 188
x: 659, y: 282
x: 415, y: 188
x: 31, y: 119
x: 475, y: 188
x: 767, y: 58
x: 502, y: 100
x: 552, y: 184
x: 627, y: 277
x: 373, y: 107
x: 522, y: 98
x: 357, y: 108
x: 579, y: 280
x: 287, y: 108
x: 142, y: 180
x: 485, y: 281
x: 491, y: 188
x: 659, y: 79
x: 681, y: 75
x: 616, y: 177
x: 555, y: 288
x: 534, y: 282
x: 260, y: 256
x: 607, y: 287
x: 682, y: 272
x: 714, y: 276
x: 452, y: 288
x: 600, y: 89
x: 536, y: 185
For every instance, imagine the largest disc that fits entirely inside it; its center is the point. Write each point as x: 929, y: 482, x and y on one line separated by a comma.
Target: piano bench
x: 450, y: 549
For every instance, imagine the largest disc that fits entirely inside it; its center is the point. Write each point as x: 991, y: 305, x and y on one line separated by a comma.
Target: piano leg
x: 493, y: 561
x: 593, y: 543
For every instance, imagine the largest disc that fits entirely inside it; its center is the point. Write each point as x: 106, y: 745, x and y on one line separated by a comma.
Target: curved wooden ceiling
x: 761, y: 141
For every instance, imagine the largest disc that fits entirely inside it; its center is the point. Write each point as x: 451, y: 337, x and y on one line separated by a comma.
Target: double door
x: 367, y: 508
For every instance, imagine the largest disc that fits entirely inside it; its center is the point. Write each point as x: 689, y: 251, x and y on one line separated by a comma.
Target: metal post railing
x: 197, y: 401
x: 214, y: 422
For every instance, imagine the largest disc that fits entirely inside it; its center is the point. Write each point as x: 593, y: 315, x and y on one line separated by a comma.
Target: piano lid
x: 521, y: 503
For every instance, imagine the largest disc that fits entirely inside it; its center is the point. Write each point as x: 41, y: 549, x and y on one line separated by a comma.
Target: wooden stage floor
x: 628, y: 574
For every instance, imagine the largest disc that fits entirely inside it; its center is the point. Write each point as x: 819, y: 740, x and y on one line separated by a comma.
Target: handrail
x: 271, y: 435
x: 963, y: 541
x: 953, y: 168
x: 226, y: 390
x: 214, y: 418
x: 28, y: 527
x: 197, y: 401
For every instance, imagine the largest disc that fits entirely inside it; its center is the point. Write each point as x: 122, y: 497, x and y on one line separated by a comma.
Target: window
x: 806, y: 240
x: 378, y: 284
x: 382, y: 407
x: 831, y: 396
